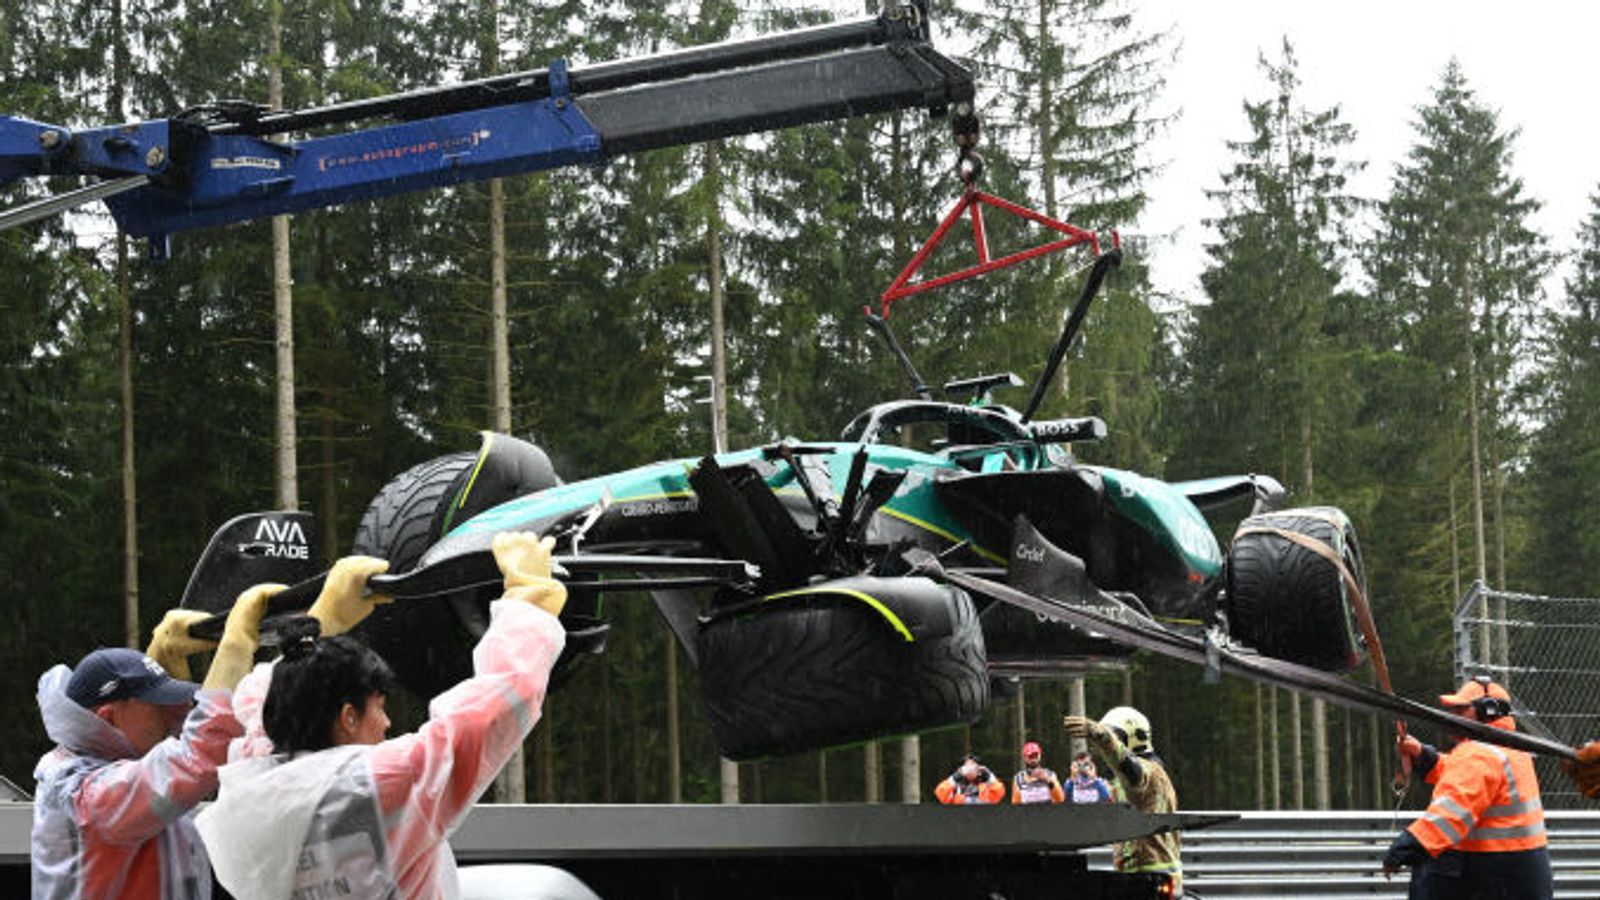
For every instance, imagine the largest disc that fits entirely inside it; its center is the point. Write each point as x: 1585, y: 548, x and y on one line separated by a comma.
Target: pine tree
x: 1564, y: 478
x: 1259, y: 353
x: 1456, y: 268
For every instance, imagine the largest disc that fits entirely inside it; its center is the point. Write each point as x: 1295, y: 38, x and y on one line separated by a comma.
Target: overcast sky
x: 1537, y: 64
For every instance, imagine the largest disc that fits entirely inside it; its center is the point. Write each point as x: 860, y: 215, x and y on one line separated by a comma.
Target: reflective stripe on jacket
x: 1485, y: 800
x: 378, y: 818
x: 1027, y: 789
x: 989, y: 790
x: 107, y: 824
x: 1161, y: 852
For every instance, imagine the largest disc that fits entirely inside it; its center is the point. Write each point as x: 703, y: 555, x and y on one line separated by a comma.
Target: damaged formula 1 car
x: 809, y: 582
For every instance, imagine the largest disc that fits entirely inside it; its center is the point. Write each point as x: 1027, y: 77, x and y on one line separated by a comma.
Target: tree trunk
x: 1378, y: 800
x: 1322, y: 787
x: 674, y: 752
x: 330, y: 483
x: 1296, y: 736
x: 1480, y: 566
x: 1077, y: 706
x: 607, y: 736
x: 1277, y: 764
x: 911, y: 745
x: 115, y: 95
x: 287, y: 483
x: 130, y: 486
x: 719, y: 360
x: 1502, y: 639
x: 1480, y: 555
x: 1019, y: 717
x: 872, y: 771
x: 728, y: 772
x: 719, y: 365
x: 911, y: 769
x: 1261, y: 756
x: 1455, y: 530
x: 511, y: 784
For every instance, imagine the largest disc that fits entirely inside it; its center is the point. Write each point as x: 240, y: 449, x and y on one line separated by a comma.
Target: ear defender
x: 1488, y: 707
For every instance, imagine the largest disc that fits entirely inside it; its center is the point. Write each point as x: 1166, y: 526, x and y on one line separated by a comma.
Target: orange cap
x: 1474, y: 689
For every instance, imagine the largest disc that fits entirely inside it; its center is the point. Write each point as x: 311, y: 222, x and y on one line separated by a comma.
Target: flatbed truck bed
x: 829, y: 851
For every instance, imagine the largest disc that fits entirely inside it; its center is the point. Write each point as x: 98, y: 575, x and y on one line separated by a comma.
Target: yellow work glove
x: 344, y: 600
x: 524, y: 560
x: 1585, y: 770
x: 171, y: 645
x: 241, y: 637
x: 1098, y: 736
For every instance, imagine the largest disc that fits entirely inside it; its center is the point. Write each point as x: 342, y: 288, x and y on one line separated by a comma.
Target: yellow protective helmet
x: 1131, y: 728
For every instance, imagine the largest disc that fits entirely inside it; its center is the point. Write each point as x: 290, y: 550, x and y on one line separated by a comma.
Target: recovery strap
x: 1135, y: 630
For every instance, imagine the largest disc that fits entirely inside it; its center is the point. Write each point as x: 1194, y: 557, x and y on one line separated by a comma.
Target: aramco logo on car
x: 283, y: 539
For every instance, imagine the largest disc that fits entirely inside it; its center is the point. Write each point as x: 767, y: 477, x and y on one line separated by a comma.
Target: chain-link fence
x: 1546, y: 652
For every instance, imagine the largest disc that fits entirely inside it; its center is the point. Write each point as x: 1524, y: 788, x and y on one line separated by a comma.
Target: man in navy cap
x: 136, y: 750
x: 138, y: 747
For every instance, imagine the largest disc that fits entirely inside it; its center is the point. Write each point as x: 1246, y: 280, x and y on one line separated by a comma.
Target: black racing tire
x: 425, y: 643
x: 796, y: 675
x: 1289, y: 602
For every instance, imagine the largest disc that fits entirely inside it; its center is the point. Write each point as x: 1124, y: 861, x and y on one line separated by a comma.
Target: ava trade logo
x: 280, y: 539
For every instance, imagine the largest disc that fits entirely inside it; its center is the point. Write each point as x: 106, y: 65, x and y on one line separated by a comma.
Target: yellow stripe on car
x: 868, y: 599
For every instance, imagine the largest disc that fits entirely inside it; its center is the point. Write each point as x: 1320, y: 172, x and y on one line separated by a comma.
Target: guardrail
x: 1337, y: 855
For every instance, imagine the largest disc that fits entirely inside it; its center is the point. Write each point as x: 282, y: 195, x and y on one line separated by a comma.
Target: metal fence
x: 1546, y: 652
x: 1333, y: 855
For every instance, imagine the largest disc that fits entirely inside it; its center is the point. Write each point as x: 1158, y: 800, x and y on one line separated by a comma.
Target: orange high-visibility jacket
x: 1485, y: 800
x: 989, y: 790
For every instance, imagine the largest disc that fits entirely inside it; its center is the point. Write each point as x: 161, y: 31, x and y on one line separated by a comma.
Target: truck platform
x: 829, y: 851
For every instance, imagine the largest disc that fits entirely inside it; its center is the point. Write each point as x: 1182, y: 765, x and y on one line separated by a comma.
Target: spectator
x: 1087, y: 785
x: 1035, y: 783
x: 971, y: 782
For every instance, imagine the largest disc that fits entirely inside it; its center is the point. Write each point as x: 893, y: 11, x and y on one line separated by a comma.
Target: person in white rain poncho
x: 334, y: 809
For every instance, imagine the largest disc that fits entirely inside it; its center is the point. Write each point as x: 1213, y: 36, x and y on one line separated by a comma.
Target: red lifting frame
x: 974, y: 200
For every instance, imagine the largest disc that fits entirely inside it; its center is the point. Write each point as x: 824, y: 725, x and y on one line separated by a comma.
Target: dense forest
x: 1406, y: 357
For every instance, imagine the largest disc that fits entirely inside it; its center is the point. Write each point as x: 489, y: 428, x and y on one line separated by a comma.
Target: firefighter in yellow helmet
x: 1122, y: 738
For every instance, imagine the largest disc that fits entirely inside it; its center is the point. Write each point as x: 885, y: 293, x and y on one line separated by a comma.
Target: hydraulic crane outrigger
x: 218, y: 164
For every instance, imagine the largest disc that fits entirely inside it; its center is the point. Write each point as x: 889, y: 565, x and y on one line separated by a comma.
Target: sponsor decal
x: 246, y: 162
x: 281, y: 539
x: 1030, y: 553
x: 659, y: 507
x: 401, y: 151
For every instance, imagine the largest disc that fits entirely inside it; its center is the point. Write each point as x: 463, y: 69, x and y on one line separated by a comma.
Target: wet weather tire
x: 1290, y: 602
x: 795, y: 675
x: 425, y: 643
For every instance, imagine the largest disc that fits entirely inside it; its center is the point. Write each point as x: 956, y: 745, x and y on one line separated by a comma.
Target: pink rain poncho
x: 372, y: 821
x: 110, y: 824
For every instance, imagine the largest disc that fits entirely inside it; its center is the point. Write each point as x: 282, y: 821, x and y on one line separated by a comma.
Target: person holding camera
x: 1087, y: 785
x: 971, y: 782
x: 1035, y: 783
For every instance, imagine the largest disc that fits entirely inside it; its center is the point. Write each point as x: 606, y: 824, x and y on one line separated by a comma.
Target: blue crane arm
x: 221, y: 164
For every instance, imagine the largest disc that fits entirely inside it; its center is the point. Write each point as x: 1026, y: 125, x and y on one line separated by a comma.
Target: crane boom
x: 220, y: 163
